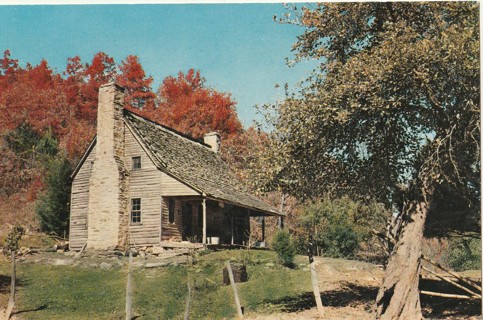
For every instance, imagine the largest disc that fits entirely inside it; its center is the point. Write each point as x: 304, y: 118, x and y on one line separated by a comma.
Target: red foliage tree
x: 132, y: 77
x: 8, y: 70
x: 35, y: 98
x: 187, y: 105
x: 83, y: 82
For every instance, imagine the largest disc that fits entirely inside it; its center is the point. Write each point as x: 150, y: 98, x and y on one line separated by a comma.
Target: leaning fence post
x: 235, y: 293
x: 313, y: 275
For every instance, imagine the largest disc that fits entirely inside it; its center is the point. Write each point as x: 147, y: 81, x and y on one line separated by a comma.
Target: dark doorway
x: 187, y: 218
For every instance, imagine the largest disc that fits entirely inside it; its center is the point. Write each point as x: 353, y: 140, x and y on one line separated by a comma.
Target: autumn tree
x: 241, y: 151
x: 32, y: 95
x: 137, y: 86
x: 187, y: 104
x: 392, y: 114
x: 83, y: 82
x: 8, y: 70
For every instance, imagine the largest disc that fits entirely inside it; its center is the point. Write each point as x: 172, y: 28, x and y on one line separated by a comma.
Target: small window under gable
x: 136, y: 163
x: 136, y: 211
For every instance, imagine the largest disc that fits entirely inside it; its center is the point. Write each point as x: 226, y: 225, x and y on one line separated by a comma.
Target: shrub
x: 465, y: 254
x: 13, y: 237
x: 53, y: 206
x: 282, y: 244
x: 340, y: 241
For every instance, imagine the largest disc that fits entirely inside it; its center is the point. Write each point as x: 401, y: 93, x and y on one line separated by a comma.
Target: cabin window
x: 136, y: 163
x: 171, y: 210
x: 136, y: 211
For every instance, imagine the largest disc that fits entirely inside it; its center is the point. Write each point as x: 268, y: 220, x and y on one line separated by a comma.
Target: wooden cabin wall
x: 172, y: 187
x: 79, y: 204
x: 145, y: 184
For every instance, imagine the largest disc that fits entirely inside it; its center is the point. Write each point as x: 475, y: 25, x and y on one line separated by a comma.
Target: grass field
x: 86, y: 291
x: 66, y: 292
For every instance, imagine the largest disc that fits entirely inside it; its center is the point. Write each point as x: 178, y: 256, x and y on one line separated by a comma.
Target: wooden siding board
x: 144, y: 183
x: 79, y: 203
x: 173, y: 187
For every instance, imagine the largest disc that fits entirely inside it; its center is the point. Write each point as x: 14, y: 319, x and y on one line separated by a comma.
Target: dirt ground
x: 348, y: 290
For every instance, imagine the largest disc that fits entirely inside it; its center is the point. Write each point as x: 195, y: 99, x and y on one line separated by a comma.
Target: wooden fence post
x: 235, y: 293
x: 128, y: 289
x: 11, y: 300
x: 313, y: 275
x: 187, y: 306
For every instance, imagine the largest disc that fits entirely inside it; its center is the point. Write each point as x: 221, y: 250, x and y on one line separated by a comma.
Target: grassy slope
x: 66, y: 292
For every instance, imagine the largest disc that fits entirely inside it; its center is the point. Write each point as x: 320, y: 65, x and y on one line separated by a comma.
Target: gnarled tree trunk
x: 398, y: 297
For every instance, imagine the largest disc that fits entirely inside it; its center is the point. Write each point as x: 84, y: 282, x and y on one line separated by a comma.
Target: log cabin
x: 140, y: 183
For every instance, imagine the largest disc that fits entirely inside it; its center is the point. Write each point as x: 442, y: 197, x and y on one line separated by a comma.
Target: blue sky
x: 237, y: 47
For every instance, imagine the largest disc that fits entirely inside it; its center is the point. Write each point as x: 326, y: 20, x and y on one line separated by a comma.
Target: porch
x: 201, y: 220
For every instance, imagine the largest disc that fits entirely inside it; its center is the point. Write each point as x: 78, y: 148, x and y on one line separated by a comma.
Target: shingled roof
x: 193, y: 163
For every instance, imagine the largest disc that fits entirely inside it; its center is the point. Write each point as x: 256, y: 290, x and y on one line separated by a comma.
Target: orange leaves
x: 68, y: 105
x: 83, y: 81
x: 33, y: 98
x: 187, y: 105
x: 138, y: 92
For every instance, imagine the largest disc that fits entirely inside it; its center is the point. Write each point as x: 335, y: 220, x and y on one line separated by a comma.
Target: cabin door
x: 187, y: 220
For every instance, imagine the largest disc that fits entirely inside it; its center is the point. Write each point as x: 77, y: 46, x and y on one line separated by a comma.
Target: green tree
x: 282, y: 244
x: 465, y: 253
x: 339, y: 226
x: 392, y: 114
x: 53, y: 206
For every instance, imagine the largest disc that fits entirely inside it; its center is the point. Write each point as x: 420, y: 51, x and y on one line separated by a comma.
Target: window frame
x: 136, y: 212
x: 136, y: 166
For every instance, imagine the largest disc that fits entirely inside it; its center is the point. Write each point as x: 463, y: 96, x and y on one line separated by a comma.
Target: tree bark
x: 398, y: 297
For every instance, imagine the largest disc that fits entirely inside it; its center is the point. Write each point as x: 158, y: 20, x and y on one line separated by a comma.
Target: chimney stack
x: 213, y: 139
x: 107, y: 200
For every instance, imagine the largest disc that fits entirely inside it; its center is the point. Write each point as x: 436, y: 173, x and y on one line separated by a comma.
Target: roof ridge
x: 169, y: 129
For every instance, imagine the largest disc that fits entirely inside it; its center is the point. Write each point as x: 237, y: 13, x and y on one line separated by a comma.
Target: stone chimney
x: 108, y: 180
x: 213, y: 139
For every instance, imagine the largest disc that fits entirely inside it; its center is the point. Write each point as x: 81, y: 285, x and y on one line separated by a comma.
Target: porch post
x: 263, y: 228
x: 232, y: 235
x: 204, y: 220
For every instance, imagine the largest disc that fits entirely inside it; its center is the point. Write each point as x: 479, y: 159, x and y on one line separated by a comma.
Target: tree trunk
x: 11, y: 300
x: 398, y: 297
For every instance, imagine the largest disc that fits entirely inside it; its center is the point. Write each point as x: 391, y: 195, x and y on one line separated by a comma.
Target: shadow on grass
x: 5, y: 283
x: 42, y: 307
x: 350, y: 295
x: 353, y: 295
